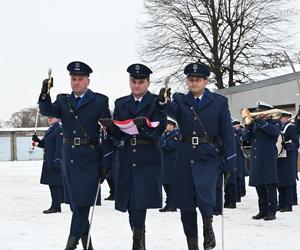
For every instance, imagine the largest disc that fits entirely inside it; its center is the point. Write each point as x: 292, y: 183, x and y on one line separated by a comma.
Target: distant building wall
x: 282, y: 92
x: 16, y: 144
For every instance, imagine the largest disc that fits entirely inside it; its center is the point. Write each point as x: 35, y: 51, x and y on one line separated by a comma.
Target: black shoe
x: 278, y: 208
x: 166, y: 208
x: 192, y: 243
x: 286, y: 209
x: 258, y: 216
x: 72, y: 243
x: 138, y: 239
x: 84, y: 243
x: 52, y: 210
x: 270, y: 217
x: 110, y: 198
x: 295, y: 203
x: 217, y: 212
x: 208, y: 233
x: 230, y: 205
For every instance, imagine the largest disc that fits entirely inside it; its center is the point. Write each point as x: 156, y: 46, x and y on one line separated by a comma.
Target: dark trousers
x: 80, y: 221
x: 285, y: 197
x: 242, y: 187
x: 57, y: 195
x: 111, y: 185
x: 189, y: 223
x: 167, y: 188
x: 295, y: 196
x: 218, y: 207
x: 230, y: 194
x: 137, y: 218
x: 267, y: 199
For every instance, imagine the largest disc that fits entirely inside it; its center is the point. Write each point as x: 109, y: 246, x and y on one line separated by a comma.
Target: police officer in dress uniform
x: 263, y: 134
x: 286, y: 165
x: 246, y: 162
x: 83, y: 152
x: 204, y: 122
x: 139, y: 185
x: 240, y: 162
x: 52, y: 164
x: 231, y: 188
x: 168, y: 144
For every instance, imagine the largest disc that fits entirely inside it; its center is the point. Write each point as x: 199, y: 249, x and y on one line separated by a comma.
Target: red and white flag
x: 130, y: 128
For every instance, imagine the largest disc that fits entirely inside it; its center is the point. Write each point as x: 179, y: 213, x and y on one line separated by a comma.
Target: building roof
x: 260, y: 84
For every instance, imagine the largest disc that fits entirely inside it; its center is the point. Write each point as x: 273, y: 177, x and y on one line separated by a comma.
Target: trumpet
x: 249, y: 117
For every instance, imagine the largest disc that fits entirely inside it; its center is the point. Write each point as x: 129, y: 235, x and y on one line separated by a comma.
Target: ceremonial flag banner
x: 130, y: 128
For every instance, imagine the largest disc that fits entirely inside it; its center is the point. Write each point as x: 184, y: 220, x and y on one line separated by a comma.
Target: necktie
x: 77, y: 100
x: 198, y: 101
x: 137, y: 103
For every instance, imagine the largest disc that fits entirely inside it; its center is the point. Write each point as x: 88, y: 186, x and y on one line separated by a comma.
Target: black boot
x: 167, y: 208
x: 230, y: 205
x: 270, y: 217
x: 72, y: 243
x: 192, y: 243
x: 208, y: 233
x: 52, y: 210
x: 138, y: 239
x: 258, y: 216
x: 84, y: 243
x: 286, y: 209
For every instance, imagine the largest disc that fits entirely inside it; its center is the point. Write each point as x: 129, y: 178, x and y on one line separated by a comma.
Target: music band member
x: 263, y: 134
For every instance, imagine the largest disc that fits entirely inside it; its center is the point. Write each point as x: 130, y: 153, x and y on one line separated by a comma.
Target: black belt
x: 194, y: 140
x: 77, y: 141
x: 138, y: 141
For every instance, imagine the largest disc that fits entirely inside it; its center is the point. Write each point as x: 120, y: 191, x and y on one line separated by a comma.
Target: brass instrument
x: 249, y: 117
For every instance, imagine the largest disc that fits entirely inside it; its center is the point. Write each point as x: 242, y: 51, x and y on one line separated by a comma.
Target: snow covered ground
x: 23, y: 226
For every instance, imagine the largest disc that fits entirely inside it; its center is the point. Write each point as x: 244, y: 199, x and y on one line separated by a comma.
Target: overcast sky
x: 35, y: 35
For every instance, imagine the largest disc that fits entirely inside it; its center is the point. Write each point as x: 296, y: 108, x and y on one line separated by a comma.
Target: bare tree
x: 26, y: 119
x: 234, y: 37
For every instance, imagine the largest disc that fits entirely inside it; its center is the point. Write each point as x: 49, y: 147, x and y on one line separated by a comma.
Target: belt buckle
x: 133, y: 141
x: 195, y: 140
x: 76, y: 141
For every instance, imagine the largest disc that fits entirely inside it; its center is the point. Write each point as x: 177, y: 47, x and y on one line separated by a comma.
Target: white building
x: 282, y: 92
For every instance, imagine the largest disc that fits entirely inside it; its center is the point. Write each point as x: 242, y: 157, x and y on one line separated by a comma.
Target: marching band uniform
x: 52, y: 165
x: 263, y: 135
x: 169, y: 144
x: 287, y: 166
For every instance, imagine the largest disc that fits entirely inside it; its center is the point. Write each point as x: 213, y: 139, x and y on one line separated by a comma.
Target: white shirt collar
x: 80, y: 95
x: 200, y: 97
x: 138, y: 99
